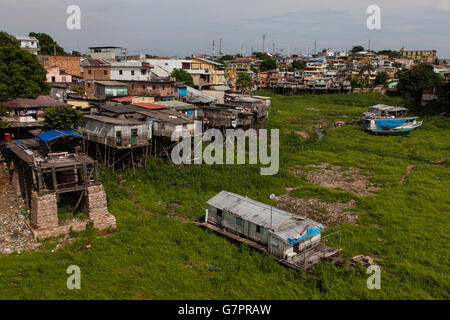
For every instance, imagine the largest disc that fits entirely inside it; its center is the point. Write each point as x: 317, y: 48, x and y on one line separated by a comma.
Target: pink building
x: 55, y: 74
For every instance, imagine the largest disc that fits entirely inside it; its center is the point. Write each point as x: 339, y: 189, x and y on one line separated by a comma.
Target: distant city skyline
x: 182, y: 28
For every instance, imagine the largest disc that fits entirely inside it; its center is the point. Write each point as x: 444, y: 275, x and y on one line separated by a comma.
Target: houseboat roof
x: 384, y: 107
x: 284, y: 224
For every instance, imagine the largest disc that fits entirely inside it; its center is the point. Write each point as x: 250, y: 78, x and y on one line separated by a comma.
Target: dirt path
x: 408, y: 171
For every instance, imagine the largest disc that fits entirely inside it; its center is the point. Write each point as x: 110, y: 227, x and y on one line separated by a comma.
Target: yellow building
x: 206, y: 72
x: 417, y: 55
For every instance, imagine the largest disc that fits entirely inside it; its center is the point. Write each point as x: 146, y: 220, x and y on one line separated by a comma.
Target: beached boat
x: 388, y: 120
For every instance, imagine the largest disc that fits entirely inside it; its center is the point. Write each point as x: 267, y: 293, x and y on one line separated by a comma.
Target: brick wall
x: 153, y: 89
x: 70, y: 64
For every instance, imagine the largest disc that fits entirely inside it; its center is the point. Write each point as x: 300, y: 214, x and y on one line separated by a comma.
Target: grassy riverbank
x: 158, y: 253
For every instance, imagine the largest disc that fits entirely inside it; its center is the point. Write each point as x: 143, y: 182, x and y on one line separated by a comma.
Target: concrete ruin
x: 48, y: 166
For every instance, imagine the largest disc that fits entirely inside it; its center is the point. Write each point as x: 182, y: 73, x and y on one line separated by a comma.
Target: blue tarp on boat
x: 391, y: 123
x: 53, y: 134
x: 311, y: 232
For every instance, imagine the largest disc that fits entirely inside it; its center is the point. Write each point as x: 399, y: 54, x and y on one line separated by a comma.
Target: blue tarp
x: 54, y: 134
x: 311, y: 232
x: 391, y: 123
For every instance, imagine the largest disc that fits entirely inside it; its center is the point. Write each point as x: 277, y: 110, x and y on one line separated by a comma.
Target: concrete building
x: 30, y: 44
x: 206, y: 73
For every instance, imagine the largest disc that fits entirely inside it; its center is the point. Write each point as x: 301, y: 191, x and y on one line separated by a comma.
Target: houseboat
x: 388, y: 120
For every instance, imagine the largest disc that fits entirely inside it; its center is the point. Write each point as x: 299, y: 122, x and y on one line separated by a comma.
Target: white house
x: 130, y: 71
x: 30, y: 44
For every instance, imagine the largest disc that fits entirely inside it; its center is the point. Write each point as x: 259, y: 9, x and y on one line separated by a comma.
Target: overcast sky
x: 183, y: 27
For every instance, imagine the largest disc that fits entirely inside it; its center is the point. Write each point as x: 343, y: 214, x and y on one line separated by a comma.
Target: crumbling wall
x: 96, y: 208
x: 44, y: 210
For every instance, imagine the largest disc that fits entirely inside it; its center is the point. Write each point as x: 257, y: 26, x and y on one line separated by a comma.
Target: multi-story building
x: 418, y: 55
x: 206, y: 73
x: 30, y: 44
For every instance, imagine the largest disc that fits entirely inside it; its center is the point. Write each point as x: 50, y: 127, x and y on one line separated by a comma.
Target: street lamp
x: 272, y: 197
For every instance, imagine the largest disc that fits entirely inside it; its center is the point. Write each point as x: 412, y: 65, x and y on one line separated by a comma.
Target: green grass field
x: 158, y: 253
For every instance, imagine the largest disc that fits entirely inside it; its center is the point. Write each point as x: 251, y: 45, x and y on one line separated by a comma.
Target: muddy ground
x: 335, y: 177
x: 329, y: 214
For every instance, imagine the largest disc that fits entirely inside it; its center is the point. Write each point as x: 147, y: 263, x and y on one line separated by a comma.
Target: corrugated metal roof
x: 388, y: 108
x: 112, y: 120
x: 284, y: 224
x: 54, y: 134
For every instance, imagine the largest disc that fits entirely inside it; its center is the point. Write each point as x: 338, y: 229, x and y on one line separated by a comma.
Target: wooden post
x: 132, y: 161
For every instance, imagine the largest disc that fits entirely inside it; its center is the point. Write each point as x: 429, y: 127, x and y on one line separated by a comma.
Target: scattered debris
x: 329, y: 214
x: 335, y: 177
x: 362, y: 259
x: 14, y: 233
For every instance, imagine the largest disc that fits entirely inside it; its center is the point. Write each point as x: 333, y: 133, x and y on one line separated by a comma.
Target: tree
x: 48, y: 45
x: 381, y: 78
x: 268, y: 64
x: 183, y: 76
x: 356, y: 49
x: 298, y: 65
x: 76, y: 53
x: 390, y: 53
x: 224, y: 58
x: 61, y: 118
x: 244, y: 82
x: 411, y: 81
x: 21, y: 74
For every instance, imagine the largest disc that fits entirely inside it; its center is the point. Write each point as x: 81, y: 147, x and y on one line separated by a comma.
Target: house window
x: 219, y: 213
x: 89, y: 71
x: 239, y: 221
x: 132, y: 72
x: 143, y: 87
x: 154, y: 87
x: 144, y: 71
x: 132, y: 86
x: 260, y: 229
x: 164, y: 87
x: 89, y: 85
x: 120, y: 72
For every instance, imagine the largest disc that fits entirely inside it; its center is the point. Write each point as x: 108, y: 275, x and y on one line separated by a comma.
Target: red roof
x: 151, y: 106
x: 128, y: 98
x: 39, y: 102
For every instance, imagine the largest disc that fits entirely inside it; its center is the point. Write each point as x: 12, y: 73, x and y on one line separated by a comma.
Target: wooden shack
x: 115, y: 132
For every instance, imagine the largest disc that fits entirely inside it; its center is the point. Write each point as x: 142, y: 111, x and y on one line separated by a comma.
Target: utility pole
x: 213, y: 48
x: 263, y: 42
x: 273, y: 48
x: 220, y: 46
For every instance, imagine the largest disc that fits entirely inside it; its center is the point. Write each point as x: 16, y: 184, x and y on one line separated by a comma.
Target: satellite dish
x: 272, y: 196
